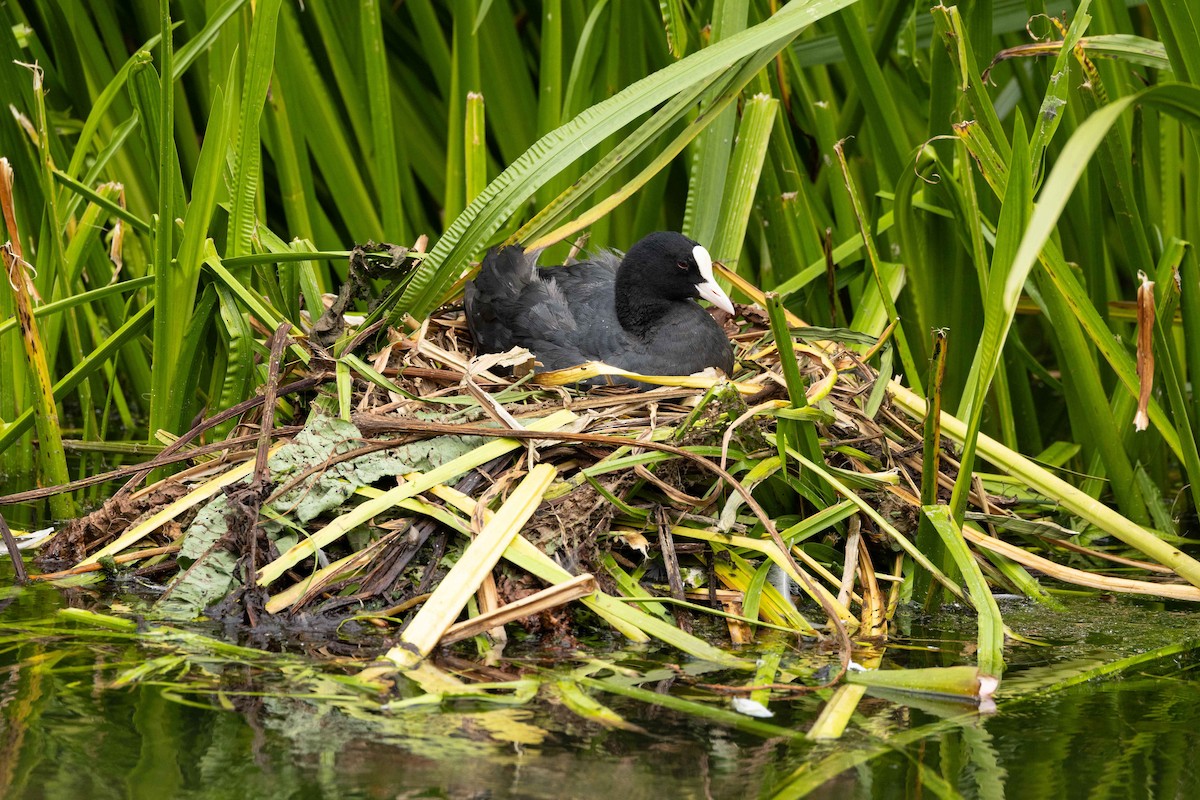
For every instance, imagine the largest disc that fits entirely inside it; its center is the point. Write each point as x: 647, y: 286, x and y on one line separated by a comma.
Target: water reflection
x: 71, y: 730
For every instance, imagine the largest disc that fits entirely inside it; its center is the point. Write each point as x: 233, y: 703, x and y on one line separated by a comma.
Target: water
x: 293, y: 727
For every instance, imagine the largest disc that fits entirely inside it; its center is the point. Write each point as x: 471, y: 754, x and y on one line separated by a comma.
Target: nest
x: 365, y: 504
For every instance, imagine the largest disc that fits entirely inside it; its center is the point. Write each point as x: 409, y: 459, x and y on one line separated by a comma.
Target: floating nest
x: 411, y: 497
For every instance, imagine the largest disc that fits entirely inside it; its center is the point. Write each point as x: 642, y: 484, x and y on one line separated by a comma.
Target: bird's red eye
x: 682, y: 265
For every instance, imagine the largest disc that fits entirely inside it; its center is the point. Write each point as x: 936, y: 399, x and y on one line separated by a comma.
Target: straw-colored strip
x: 160, y: 518
x: 465, y: 577
x: 546, y: 599
x: 634, y: 624
x: 1072, y: 499
x: 1175, y: 591
x: 303, y: 588
x: 593, y: 369
x: 530, y: 558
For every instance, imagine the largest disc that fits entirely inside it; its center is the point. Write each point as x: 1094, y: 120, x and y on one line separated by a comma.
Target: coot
x: 638, y: 312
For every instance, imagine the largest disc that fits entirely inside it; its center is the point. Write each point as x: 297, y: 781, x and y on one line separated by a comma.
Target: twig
x: 14, y: 553
x: 123, y: 558
x: 271, y: 390
x: 552, y: 597
x: 211, y: 422
x: 124, y: 472
x: 666, y: 546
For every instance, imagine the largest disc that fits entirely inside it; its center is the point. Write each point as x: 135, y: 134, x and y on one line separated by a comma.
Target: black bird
x: 637, y: 313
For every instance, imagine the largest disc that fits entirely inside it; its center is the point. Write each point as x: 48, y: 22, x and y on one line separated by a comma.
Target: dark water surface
x: 76, y: 721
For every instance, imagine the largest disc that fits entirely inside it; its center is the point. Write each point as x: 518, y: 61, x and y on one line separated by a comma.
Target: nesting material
x: 655, y: 510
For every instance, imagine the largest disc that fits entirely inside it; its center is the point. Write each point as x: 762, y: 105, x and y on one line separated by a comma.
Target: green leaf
x: 247, y: 163
x: 386, y: 166
x: 557, y: 149
x: 990, y: 656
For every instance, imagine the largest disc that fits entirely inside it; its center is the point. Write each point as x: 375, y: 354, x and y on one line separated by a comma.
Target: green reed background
x: 1015, y: 212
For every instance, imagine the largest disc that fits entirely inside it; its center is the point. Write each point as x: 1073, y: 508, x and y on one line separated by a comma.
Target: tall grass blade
x: 163, y: 356
x: 556, y: 150
x: 52, y: 458
x: 386, y: 167
x: 707, y: 181
x: 741, y: 185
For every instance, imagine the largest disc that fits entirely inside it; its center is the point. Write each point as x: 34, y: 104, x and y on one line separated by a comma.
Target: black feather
x: 636, y: 313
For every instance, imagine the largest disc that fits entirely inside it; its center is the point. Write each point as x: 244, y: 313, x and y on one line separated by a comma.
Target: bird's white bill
x: 713, y: 294
x: 709, y: 290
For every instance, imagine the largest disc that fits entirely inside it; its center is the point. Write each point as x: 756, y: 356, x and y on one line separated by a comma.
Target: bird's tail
x: 504, y: 274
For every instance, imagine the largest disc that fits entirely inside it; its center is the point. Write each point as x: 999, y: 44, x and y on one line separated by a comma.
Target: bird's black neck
x: 639, y: 308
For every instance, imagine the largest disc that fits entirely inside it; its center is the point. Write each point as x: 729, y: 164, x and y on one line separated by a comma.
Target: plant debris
x: 427, y: 500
